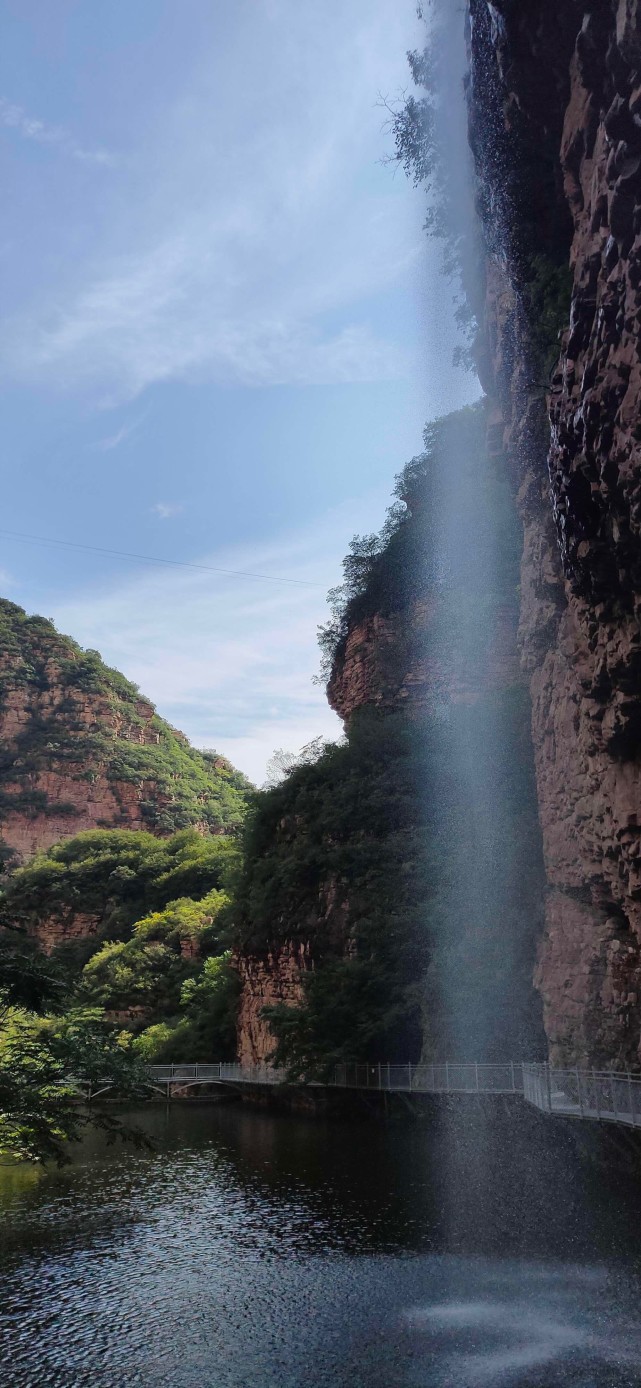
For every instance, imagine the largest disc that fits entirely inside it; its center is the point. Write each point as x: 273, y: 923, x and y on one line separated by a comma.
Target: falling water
x: 480, y: 1004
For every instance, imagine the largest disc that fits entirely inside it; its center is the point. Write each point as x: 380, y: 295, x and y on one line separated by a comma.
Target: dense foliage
x: 123, y: 741
x: 336, y: 854
x: 43, y: 1063
x: 404, y: 857
x: 155, y: 978
x: 116, y: 875
x: 172, y: 977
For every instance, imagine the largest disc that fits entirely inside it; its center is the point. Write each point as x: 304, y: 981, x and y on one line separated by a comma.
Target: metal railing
x: 448, y: 1078
x: 174, y: 1073
x: 610, y: 1096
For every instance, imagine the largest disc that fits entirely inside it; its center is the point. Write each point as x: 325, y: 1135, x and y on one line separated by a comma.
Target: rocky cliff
x: 80, y: 748
x: 555, y: 120
x: 406, y: 864
x: 267, y: 980
x: 554, y: 99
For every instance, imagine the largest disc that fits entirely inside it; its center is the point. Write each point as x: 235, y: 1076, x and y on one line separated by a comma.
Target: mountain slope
x: 80, y: 748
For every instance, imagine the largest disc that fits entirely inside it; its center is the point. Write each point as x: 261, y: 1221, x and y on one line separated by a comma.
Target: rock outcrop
x: 425, y: 673
x: 555, y: 105
x: 436, y: 673
x: 80, y: 748
x: 266, y: 981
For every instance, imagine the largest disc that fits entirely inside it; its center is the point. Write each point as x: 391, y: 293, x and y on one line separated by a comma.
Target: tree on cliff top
x: 429, y: 129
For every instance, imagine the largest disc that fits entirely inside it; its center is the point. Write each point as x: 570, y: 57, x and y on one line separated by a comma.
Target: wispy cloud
x: 14, y: 117
x: 114, y: 440
x: 166, y: 509
x: 251, y: 260
x: 230, y: 661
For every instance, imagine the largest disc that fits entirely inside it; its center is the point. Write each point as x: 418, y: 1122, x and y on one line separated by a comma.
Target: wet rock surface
x: 567, y: 94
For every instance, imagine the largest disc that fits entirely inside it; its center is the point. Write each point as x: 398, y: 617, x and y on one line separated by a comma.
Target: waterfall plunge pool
x: 248, y: 1250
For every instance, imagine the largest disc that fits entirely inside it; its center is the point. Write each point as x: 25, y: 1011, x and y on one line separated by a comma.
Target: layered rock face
x: 267, y: 980
x: 435, y: 673
x: 80, y: 748
x: 555, y: 102
x: 46, y: 803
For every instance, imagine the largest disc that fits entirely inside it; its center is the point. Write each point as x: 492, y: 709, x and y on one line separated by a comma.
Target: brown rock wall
x: 276, y: 977
x: 577, y: 464
x: 435, y: 671
x: 64, y: 927
x: 78, y: 794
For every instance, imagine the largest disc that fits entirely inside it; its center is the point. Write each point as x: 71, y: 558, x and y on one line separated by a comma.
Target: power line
x: 154, y: 559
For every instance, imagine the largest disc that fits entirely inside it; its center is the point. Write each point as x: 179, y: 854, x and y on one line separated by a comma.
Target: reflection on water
x: 249, y: 1251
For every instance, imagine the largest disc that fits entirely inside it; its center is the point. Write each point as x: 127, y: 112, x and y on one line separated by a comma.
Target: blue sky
x: 223, y: 332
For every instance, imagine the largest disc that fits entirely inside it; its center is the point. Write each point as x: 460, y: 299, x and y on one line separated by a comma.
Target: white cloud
x: 257, y: 227
x: 230, y: 660
x: 14, y: 117
x: 166, y: 509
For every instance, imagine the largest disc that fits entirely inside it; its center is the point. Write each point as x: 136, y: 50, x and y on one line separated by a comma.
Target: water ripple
x: 259, y: 1253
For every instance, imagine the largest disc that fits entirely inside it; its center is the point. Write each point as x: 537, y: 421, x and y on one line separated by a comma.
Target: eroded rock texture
x: 267, y: 980
x: 63, y: 794
x: 80, y: 748
x: 555, y: 103
x: 435, y: 671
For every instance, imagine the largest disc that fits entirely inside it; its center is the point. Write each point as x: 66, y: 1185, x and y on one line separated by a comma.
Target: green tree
x: 117, y: 875
x: 44, y: 1063
x: 205, y: 1029
x: 151, y: 967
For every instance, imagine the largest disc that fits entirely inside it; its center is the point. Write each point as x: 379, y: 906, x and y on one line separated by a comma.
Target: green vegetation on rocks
x: 85, y: 721
x: 116, y: 875
x: 161, y: 915
x: 413, y: 556
x: 336, y: 856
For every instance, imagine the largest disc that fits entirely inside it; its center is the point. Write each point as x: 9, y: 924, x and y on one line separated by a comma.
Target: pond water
x: 248, y: 1250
